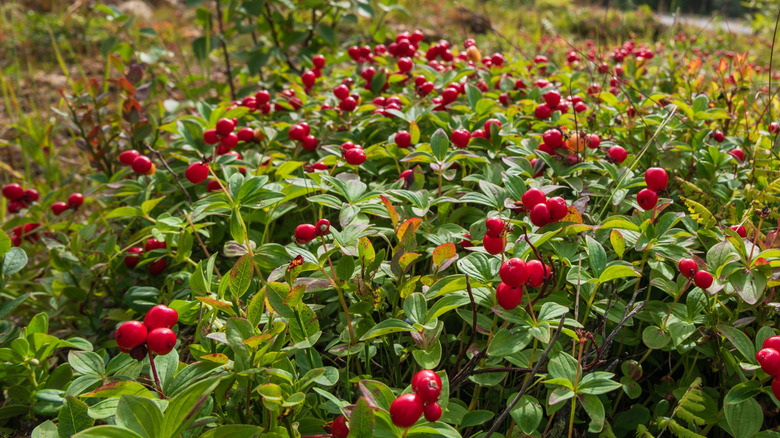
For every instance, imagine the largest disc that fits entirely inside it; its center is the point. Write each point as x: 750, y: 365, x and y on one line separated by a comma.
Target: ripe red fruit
x: 513, y: 272
x: 210, y: 136
x: 542, y: 112
x: 490, y: 122
x: 130, y: 335
x: 532, y: 197
x: 647, y: 199
x: 773, y: 343
x: 769, y: 360
x: 246, y: 134
x: 132, y: 260
x: 738, y: 154
x: 404, y: 64
x: 687, y: 267
x: 142, y: 165
x: 157, y: 266
x: 308, y: 78
x: 740, y: 230
x: 593, y: 141
x: 432, y: 412
x: 494, y: 226
x: 718, y: 136
x: 449, y: 95
x: 161, y: 341
x: 460, y: 138
x: 478, y: 133
x: 493, y: 245
x: 540, y: 215
x: 58, y: 208
x: 31, y: 195
x: 774, y: 128
x: 296, y: 132
x: 213, y: 186
x: 152, y: 244
x: 702, y: 279
x: 160, y: 316
x: 319, y: 166
x: 656, y: 179
x: 552, y: 98
x: 127, y: 157
x: 75, y: 200
x: 348, y: 104
x: 229, y: 141
x: 578, y: 107
x: 537, y: 271
x: 776, y: 388
x: 355, y: 156
x: 508, y: 297
x: 427, y: 385
x: 406, y: 410
x: 403, y: 139
x: 305, y: 233
x: 318, y: 61
x: 13, y: 192
x: 339, y: 428
x: 618, y: 154
x: 225, y: 126
x: 558, y: 208
x: 198, y: 172
x: 323, y: 227
x: 341, y: 92
x: 553, y: 138
x: 310, y: 143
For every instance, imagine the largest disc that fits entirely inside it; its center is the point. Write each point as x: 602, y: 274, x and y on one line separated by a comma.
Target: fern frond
x: 642, y: 432
x: 682, y: 432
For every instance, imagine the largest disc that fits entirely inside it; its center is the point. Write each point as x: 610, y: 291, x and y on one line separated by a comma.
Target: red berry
x: 198, y: 172
x: 494, y: 225
x: 533, y: 197
x: 319, y: 166
x: 318, y: 61
x: 152, y: 244
x: 262, y: 97
x: 229, y: 141
x: 537, y: 271
x: 246, y: 134
x: 348, y: 104
x: 210, y: 136
x: 75, y: 200
x: 773, y: 343
x: 132, y: 260
x: 323, y: 227
x: 552, y: 98
x: 403, y: 139
x: 355, y: 156
x: 490, y: 122
x: 341, y: 92
x: 142, y: 165
x: 769, y: 359
x: 687, y: 267
x: 508, y: 297
x: 127, y: 157
x: 776, y: 388
x: 618, y: 154
x: 157, y: 266
x: 656, y: 179
x: 13, y: 191
x: 310, y: 143
x: 305, y: 233
x: 740, y: 230
x: 478, y: 133
x: 738, y: 154
x: 58, y: 208
x: 449, y: 95
x: 514, y: 272
x: 542, y: 112
x: 296, y: 132
x: 160, y: 316
x: 161, y: 341
x: 493, y: 245
x: 427, y: 385
x: 540, y: 215
x: 553, y: 138
x: 405, y: 64
x: 406, y: 410
x: 130, y: 335
x: 308, y: 78
x: 558, y: 208
x: 593, y: 141
x: 702, y: 279
x: 647, y: 199
x: 339, y: 428
x: 460, y: 138
x: 718, y: 136
x: 225, y: 126
x: 213, y: 186
x: 31, y: 195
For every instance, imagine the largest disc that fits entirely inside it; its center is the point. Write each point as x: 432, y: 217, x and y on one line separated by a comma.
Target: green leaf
x: 414, y: 132
x: 475, y: 418
x: 117, y: 389
x: 13, y: 262
x: 744, y: 419
x: 139, y: 414
x: 655, y: 338
x: 444, y: 305
x: 5, y: 243
x: 385, y: 327
x: 241, y: 276
x: 361, y: 422
x: 86, y: 362
x: 597, y: 257
x: 181, y: 410
x: 527, y: 413
x: 107, y: 432
x: 618, y: 242
x: 595, y: 411
x: 234, y: 431
x: 378, y: 81
x: 73, y: 417
x: 742, y: 391
x: 740, y: 340
x: 415, y: 307
x: 9, y: 307
x: 444, y: 255
x: 124, y: 212
x: 345, y: 268
x: 617, y: 270
x: 440, y: 143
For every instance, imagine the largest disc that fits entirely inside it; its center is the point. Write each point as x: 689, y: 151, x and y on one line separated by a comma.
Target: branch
x: 225, y: 50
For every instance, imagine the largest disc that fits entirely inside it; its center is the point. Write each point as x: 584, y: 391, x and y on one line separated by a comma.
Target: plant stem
x: 154, y: 374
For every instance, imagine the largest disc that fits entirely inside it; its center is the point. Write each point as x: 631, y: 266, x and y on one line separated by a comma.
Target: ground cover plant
x: 388, y: 234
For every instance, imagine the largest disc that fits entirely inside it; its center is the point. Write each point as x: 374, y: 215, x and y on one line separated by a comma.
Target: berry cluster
x: 74, y: 202
x: 259, y: 102
x: 769, y: 359
x: 154, y: 333
x: 224, y: 135
x: 20, y: 232
x: 384, y: 104
x: 19, y: 197
x: 353, y: 154
x: 309, y: 77
x: 516, y: 273
x: 301, y: 132
x: 656, y: 180
x: 690, y: 269
x: 305, y: 233
x: 407, y: 408
x: 494, y: 240
x: 347, y: 102
x: 157, y: 266
x: 543, y: 211
x: 140, y: 164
